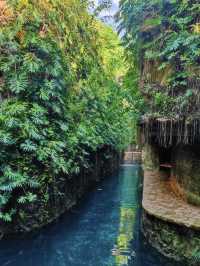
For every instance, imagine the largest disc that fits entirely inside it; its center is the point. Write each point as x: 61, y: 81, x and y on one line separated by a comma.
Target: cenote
x: 103, y: 230
x: 83, y: 82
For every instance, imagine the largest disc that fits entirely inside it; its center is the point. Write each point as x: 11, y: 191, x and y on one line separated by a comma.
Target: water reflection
x: 102, y: 231
x: 124, y: 252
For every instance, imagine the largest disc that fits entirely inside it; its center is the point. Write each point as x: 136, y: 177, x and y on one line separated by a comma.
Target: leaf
x: 18, y: 83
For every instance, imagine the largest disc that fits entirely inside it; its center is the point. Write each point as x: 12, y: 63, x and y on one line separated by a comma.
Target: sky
x: 114, y: 6
x: 110, y: 12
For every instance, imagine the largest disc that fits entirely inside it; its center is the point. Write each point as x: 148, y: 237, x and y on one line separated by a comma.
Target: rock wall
x: 169, y: 222
x: 173, y: 241
x: 150, y: 157
x: 186, y: 171
x: 63, y: 194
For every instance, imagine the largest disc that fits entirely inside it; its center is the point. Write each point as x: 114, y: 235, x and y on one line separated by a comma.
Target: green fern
x: 60, y: 102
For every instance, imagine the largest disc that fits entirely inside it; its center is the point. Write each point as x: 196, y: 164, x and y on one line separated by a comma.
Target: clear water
x: 102, y: 231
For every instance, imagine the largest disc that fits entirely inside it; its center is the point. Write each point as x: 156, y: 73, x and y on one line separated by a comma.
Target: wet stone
x: 161, y: 202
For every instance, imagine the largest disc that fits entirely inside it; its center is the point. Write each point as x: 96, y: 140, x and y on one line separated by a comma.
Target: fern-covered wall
x: 59, y: 196
x: 60, y: 100
x: 164, y: 38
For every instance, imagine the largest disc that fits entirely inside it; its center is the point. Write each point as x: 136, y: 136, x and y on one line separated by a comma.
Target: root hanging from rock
x: 167, y: 132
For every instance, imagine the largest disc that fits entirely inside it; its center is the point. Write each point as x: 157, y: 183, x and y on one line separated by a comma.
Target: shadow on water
x: 102, y: 231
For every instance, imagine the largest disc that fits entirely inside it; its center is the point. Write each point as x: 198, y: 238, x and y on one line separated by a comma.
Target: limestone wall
x: 169, y: 222
x: 150, y: 157
x: 186, y: 171
x: 173, y: 241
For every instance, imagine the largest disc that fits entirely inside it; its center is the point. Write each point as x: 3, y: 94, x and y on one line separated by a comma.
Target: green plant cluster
x: 164, y: 37
x: 60, y: 103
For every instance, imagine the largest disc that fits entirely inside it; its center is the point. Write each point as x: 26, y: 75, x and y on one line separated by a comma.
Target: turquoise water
x: 103, y: 230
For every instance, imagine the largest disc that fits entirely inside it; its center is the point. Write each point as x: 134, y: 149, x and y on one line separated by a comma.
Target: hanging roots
x: 168, y: 132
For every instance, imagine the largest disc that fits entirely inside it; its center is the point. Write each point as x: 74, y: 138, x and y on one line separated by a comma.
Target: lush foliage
x: 164, y: 37
x: 60, y: 101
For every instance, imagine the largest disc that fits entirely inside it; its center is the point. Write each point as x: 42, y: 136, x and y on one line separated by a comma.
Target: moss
x: 150, y: 156
x: 192, y: 198
x: 171, y: 240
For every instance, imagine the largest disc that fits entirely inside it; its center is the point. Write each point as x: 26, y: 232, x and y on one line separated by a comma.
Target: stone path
x: 161, y: 202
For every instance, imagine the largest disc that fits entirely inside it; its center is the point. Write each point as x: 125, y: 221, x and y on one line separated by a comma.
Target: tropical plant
x: 164, y: 38
x: 60, y: 102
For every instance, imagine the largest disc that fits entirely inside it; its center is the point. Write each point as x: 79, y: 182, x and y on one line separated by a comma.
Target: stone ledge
x: 161, y: 202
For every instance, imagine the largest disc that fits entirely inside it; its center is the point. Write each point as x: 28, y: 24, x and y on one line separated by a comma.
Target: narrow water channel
x: 103, y: 230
